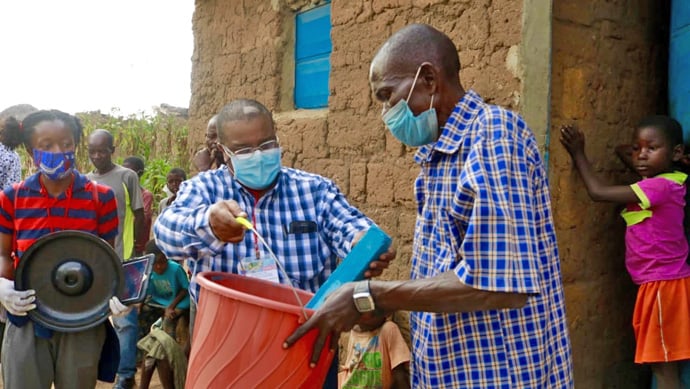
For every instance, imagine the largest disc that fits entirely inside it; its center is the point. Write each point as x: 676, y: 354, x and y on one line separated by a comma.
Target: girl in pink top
x: 656, y: 246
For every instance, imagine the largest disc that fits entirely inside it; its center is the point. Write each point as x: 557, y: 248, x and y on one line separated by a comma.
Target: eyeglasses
x: 247, y: 151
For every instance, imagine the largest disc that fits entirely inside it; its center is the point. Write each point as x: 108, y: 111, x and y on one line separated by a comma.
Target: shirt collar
x: 34, y: 182
x: 459, y: 121
x: 251, y: 192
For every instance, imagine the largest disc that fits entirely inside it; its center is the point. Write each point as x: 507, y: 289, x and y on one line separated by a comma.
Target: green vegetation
x: 160, y: 140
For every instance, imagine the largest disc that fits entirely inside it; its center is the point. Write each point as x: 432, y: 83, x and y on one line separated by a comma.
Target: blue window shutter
x: 312, y: 57
x: 678, y: 65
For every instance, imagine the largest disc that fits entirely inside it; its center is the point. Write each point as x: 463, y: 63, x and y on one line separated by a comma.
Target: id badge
x: 263, y: 268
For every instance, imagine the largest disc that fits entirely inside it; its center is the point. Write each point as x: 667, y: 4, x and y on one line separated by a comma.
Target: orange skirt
x: 662, y: 321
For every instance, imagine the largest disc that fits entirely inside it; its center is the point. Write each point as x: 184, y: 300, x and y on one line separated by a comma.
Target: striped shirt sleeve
x: 7, y: 211
x: 107, y: 212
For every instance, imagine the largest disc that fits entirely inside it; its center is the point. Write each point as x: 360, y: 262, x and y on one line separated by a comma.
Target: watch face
x: 364, y: 304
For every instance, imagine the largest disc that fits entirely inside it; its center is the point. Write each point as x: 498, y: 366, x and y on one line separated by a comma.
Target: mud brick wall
x: 608, y: 72
x: 244, y: 49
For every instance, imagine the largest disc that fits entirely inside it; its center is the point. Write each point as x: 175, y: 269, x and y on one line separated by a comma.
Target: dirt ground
x: 155, y: 382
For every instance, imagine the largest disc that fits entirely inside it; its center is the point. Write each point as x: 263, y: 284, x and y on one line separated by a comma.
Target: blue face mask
x: 54, y: 165
x: 257, y: 170
x: 409, y: 129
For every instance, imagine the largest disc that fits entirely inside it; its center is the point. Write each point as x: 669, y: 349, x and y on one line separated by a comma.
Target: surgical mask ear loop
x: 413, y: 83
x: 228, y: 153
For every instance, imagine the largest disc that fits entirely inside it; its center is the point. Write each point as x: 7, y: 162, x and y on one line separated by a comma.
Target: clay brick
x: 394, y: 147
x: 425, y: 4
x: 358, y: 181
x: 336, y: 170
x: 381, y: 184
x: 346, y: 12
x: 405, y: 174
x: 347, y: 131
x: 475, y: 21
x: 289, y: 135
x: 406, y: 223
x: 314, y: 138
x: 399, y: 268
x: 506, y: 23
x: 384, y: 217
x: 380, y: 5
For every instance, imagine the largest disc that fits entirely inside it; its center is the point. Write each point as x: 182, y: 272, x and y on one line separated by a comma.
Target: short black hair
x: 152, y: 248
x: 16, y: 132
x: 178, y: 172
x: 670, y: 127
x: 241, y: 109
x: 135, y: 161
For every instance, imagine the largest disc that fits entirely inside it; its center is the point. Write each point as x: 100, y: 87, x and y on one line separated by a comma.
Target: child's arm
x: 574, y: 142
x: 401, y: 376
x: 170, y: 310
x: 398, y: 355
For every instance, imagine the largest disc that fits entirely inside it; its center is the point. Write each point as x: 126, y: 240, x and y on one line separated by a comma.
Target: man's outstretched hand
x: 337, y: 314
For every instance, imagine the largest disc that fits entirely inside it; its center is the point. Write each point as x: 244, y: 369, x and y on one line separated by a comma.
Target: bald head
x: 213, y: 121
x: 101, y: 147
x: 409, y: 47
x: 103, y: 137
x: 242, y: 109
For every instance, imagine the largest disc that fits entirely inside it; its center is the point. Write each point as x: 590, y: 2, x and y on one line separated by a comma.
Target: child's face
x: 53, y: 136
x: 173, y: 182
x: 652, y: 153
x: 161, y: 264
x: 370, y: 321
x: 133, y: 168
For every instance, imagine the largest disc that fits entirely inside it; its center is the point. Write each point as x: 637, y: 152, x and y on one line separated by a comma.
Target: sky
x: 86, y: 55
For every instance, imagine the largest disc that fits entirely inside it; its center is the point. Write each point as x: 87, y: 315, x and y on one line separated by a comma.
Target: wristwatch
x: 362, y: 297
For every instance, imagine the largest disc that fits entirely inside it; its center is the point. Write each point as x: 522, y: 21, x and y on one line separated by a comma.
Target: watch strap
x: 362, y: 287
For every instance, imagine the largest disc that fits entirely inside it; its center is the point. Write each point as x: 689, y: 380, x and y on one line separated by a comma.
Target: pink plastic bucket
x: 240, y: 327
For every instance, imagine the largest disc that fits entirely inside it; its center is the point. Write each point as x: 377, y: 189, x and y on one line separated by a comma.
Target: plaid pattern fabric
x: 484, y: 213
x: 183, y: 231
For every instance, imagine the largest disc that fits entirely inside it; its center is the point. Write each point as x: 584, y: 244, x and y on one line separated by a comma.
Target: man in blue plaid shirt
x: 486, y: 289
x: 303, y: 217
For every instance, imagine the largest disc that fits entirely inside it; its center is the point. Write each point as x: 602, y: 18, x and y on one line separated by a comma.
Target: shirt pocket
x: 303, y: 256
x: 446, y: 242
